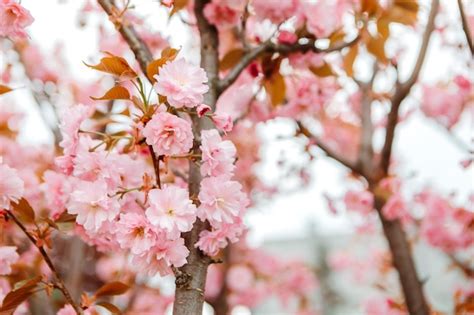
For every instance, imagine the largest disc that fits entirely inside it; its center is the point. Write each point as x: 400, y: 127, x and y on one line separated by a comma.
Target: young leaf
x: 116, y: 93
x: 17, y: 296
x: 230, y: 59
x: 376, y: 46
x: 4, y: 89
x: 112, y: 288
x: 349, y: 60
x: 115, y: 65
x: 276, y: 88
x: 110, y: 307
x: 24, y: 211
x: 153, y: 68
x: 324, y: 71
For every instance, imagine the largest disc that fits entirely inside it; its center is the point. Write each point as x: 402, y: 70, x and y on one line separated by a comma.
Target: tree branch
x: 189, y: 294
x: 136, y: 44
x: 465, y: 27
x: 270, y: 47
x: 403, y: 89
x: 329, y: 152
x: 59, y: 284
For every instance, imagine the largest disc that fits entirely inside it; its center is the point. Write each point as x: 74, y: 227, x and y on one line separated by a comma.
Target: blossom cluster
x: 109, y: 190
x: 13, y: 19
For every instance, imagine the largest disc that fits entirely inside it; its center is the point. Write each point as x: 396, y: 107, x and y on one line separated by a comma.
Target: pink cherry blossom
x: 286, y: 37
x: 93, y: 206
x: 444, y: 225
x: 223, y: 121
x: 275, y: 10
x: 224, y: 13
x: 11, y: 186
x: 240, y: 278
x: 135, y: 233
x: 56, y: 189
x: 396, y: 208
x: 202, y: 110
x: 183, y: 83
x: 222, y: 200
x: 161, y: 257
x: 171, y: 209
x: 359, y: 201
x: 13, y: 19
x: 323, y: 17
x: 217, y: 155
x: 8, y: 256
x: 443, y: 105
x: 168, y: 134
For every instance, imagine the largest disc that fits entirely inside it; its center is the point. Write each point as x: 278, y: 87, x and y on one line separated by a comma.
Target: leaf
x: 349, y: 60
x: 178, y: 5
x: 115, y: 65
x: 24, y: 211
x: 4, y: 89
x: 17, y: 296
x: 369, y: 6
x: 112, y: 288
x: 110, y: 307
x: 230, y: 59
x: 324, y: 71
x: 376, y: 46
x: 276, y: 88
x: 383, y: 27
x: 153, y: 68
x: 66, y: 217
x: 116, y: 93
x: 404, y: 12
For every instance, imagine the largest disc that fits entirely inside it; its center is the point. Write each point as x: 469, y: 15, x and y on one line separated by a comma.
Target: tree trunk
x: 191, y: 278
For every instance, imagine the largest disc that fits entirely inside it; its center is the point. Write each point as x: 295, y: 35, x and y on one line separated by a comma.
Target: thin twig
x: 270, y: 47
x: 465, y: 27
x: 59, y: 284
x: 156, y: 165
x: 403, y: 89
x: 329, y: 152
x: 136, y: 44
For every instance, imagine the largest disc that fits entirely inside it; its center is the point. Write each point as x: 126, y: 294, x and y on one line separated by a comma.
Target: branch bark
x: 403, y: 89
x: 189, y: 294
x: 465, y: 27
x: 270, y: 47
x: 136, y: 44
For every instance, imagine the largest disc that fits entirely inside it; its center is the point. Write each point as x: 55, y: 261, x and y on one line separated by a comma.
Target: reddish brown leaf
x: 17, y: 296
x: 24, y: 211
x: 153, y: 68
x: 115, y: 65
x: 376, y: 46
x: 276, y: 88
x: 112, y: 288
x: 349, y: 60
x: 116, y: 93
x: 323, y: 71
x: 110, y: 307
x: 230, y: 59
x: 178, y: 5
x: 4, y: 89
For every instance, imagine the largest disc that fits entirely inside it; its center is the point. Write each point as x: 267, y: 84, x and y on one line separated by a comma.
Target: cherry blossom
x: 11, y: 186
x: 170, y: 209
x: 222, y: 200
x: 93, y: 206
x: 217, y: 155
x: 182, y: 83
x: 8, y: 256
x: 13, y: 19
x: 168, y: 134
x: 134, y: 232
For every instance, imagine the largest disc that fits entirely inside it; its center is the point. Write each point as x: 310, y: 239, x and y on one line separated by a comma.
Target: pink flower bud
x: 202, y: 109
x: 286, y: 37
